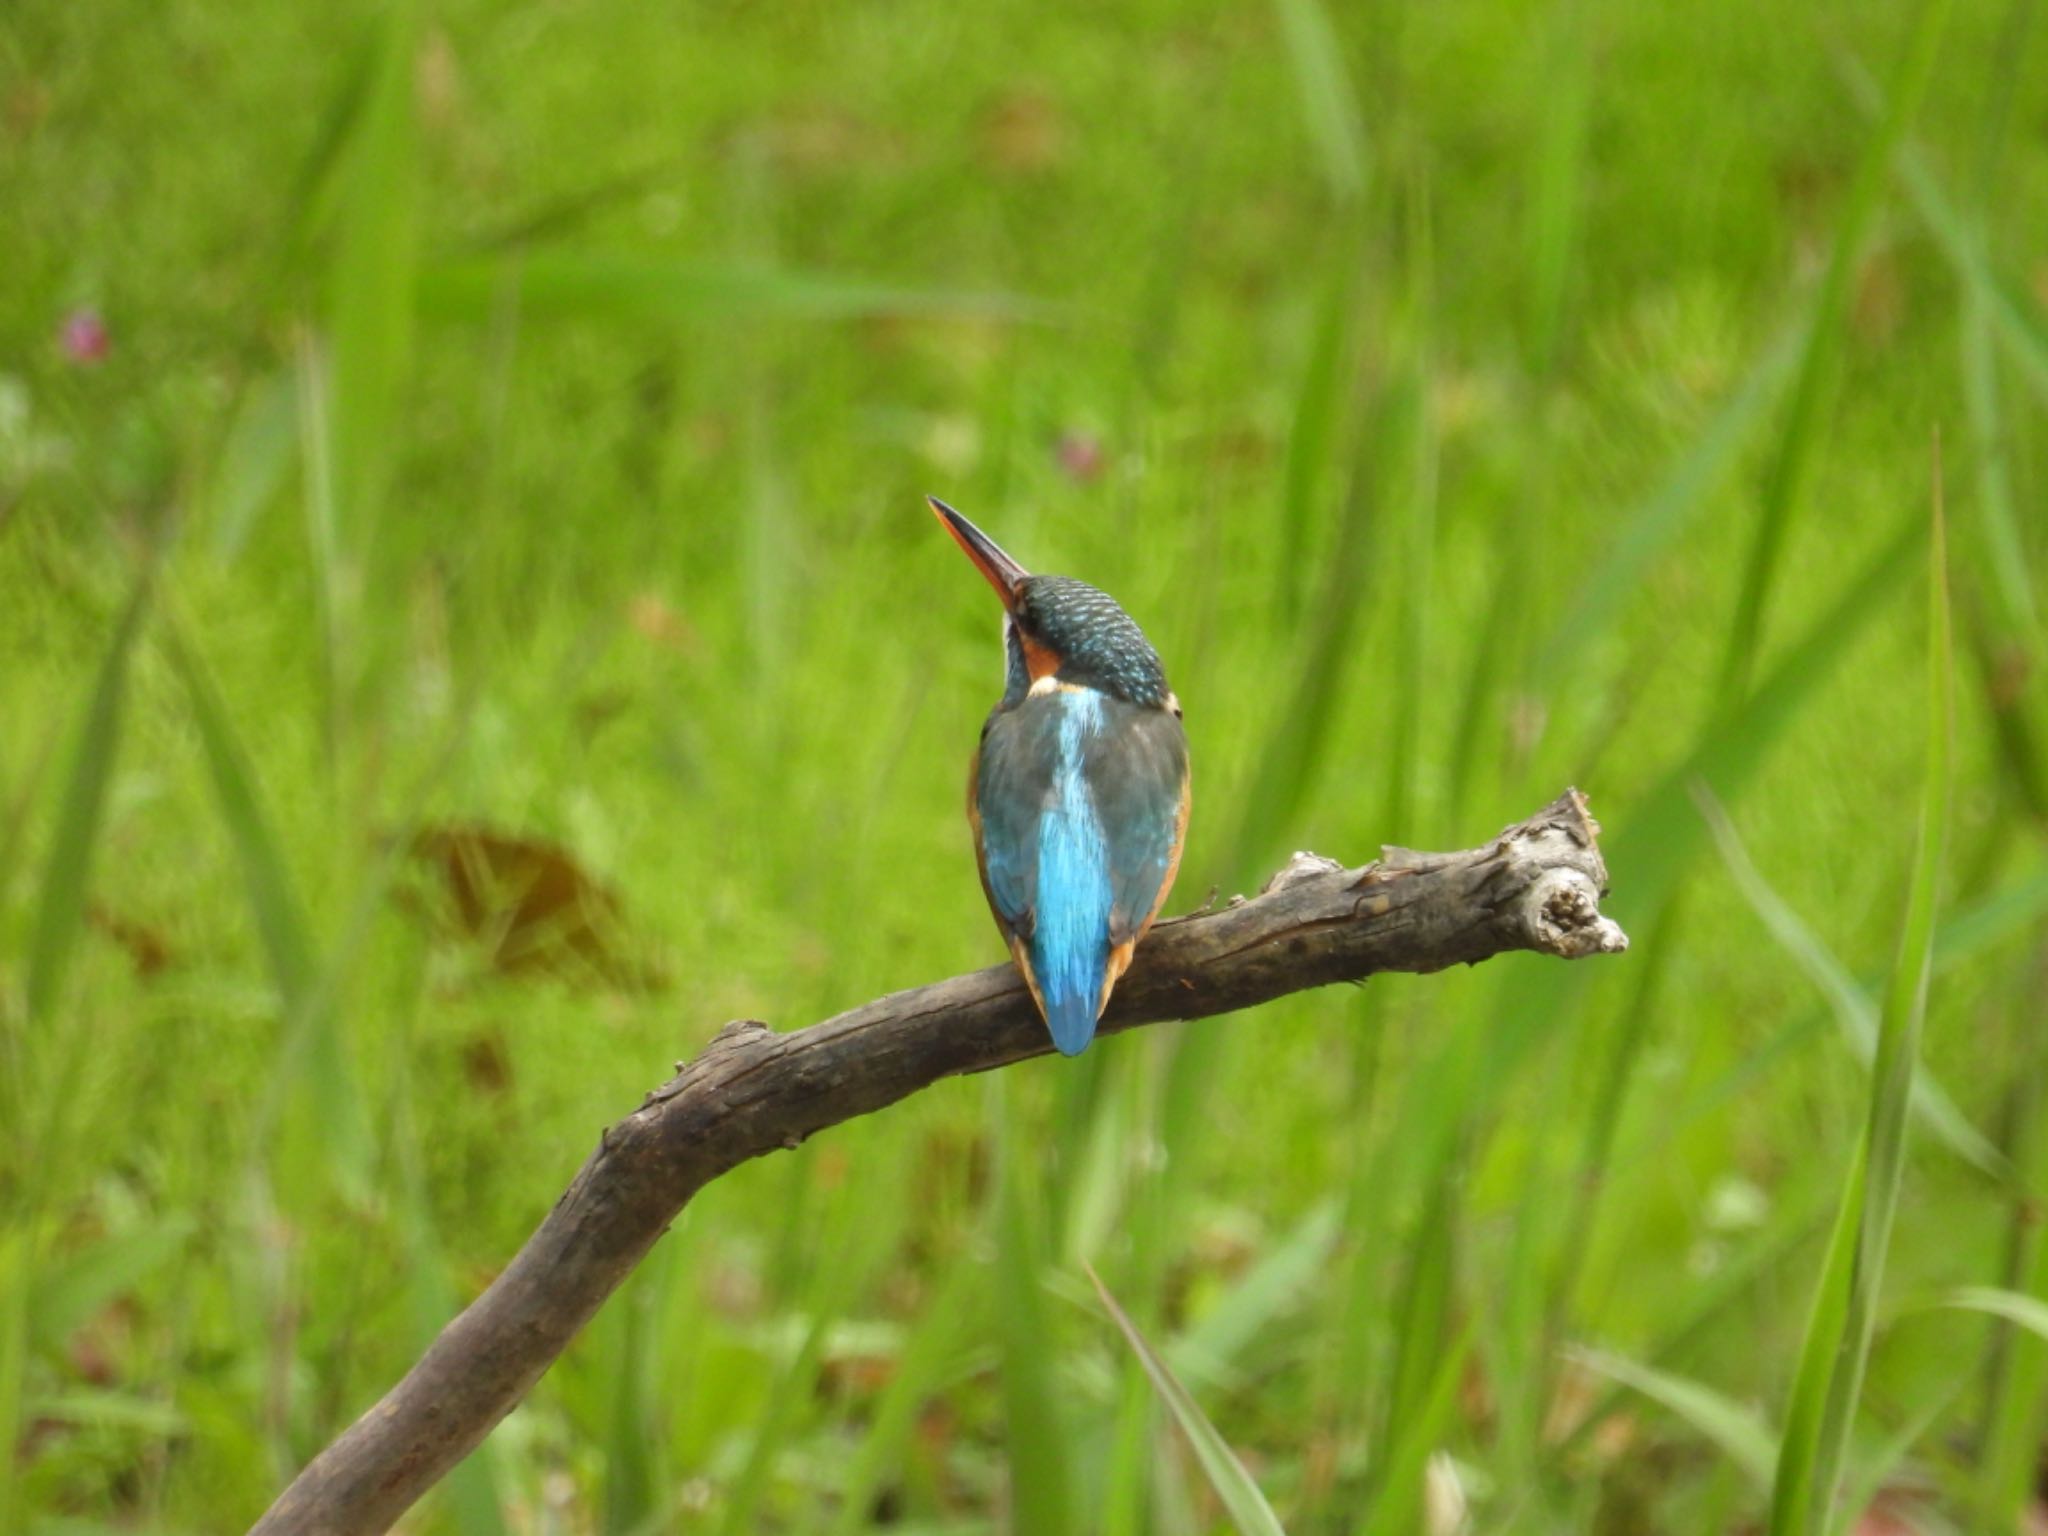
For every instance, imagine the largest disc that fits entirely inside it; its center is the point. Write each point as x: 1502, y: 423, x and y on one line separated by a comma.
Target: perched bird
x: 1078, y: 794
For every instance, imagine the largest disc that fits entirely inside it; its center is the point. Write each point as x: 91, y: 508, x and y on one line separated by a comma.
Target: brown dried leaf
x: 1889, y: 1514
x: 855, y: 1375
x: 527, y: 901
x: 486, y: 1064
x: 655, y: 620
x: 1023, y: 132
x: 148, y: 950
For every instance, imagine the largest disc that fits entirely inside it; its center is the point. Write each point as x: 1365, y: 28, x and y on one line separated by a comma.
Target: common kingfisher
x: 1078, y: 793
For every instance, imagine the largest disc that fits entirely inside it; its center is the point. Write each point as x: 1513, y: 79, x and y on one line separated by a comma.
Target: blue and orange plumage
x: 1078, y: 793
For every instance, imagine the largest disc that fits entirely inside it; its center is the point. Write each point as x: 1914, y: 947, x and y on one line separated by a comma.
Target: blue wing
x: 1078, y: 806
x: 1138, y: 777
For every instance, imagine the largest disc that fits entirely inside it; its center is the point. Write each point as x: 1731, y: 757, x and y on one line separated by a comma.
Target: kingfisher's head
x: 1060, y: 631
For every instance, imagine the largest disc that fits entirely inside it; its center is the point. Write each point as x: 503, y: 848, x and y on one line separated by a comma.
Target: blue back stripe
x: 1070, y: 935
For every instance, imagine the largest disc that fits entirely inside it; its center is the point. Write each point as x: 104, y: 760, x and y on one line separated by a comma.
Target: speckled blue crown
x: 1098, y: 643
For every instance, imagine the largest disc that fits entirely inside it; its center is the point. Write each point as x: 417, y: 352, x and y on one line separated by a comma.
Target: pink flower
x: 83, y: 337
x: 1081, y: 455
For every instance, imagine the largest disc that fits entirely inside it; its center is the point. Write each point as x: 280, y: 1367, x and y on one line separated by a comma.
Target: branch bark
x: 752, y: 1091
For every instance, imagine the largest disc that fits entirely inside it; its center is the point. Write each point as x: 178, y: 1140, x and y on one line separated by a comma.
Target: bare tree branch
x: 751, y: 1091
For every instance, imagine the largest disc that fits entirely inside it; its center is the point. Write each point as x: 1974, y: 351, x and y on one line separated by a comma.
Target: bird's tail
x: 1071, y: 1018
x: 1070, y: 921
x: 1068, y: 980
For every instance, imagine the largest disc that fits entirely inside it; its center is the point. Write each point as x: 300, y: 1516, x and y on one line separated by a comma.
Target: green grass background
x: 517, y: 416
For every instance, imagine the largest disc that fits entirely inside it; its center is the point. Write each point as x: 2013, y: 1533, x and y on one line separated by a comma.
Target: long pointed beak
x: 1003, y: 573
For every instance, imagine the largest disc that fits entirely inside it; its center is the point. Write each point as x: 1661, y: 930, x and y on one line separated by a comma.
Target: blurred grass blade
x: 317, y: 497
x: 2022, y: 328
x: 1837, y: 1346
x: 19, y: 1252
x: 250, y: 472
x: 830, y: 1261
x: 1799, y: 1470
x: 2004, y: 545
x: 1323, y: 424
x: 314, y: 188
x: 2015, y: 692
x: 1240, y: 1496
x: 632, y: 1478
x: 572, y: 285
x: 1647, y: 530
x: 773, y: 1430
x: 1102, y: 1134
x: 1298, y: 738
x: 1498, y: 637
x: 1738, y: 1430
x: 1852, y: 1008
x: 1996, y: 918
x: 1904, y: 1015
x: 85, y: 1408
x: 1623, y: 1054
x: 1413, y: 554
x: 2028, y: 1312
x: 370, y: 300
x: 58, y: 922
x: 1558, y: 171
x: 273, y: 906
x: 937, y: 1334
x: 556, y: 215
x: 1996, y: 1514
x: 1041, y: 1498
x: 1734, y: 1282
x: 1960, y: 941
x: 1329, y: 105
x: 19, y: 811
x: 2008, y: 306
x: 1662, y: 834
x: 1423, y: 1335
x: 2009, y: 639
x: 1881, y: 1467
x: 1211, y: 1350
x: 1397, y: 1508
x: 64, y: 1293
x: 2016, y: 1367
x: 311, y: 1056
x: 2011, y: 648
x: 1810, y: 387
x: 1135, y: 1500
x: 67, y: 873
x: 2012, y: 311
